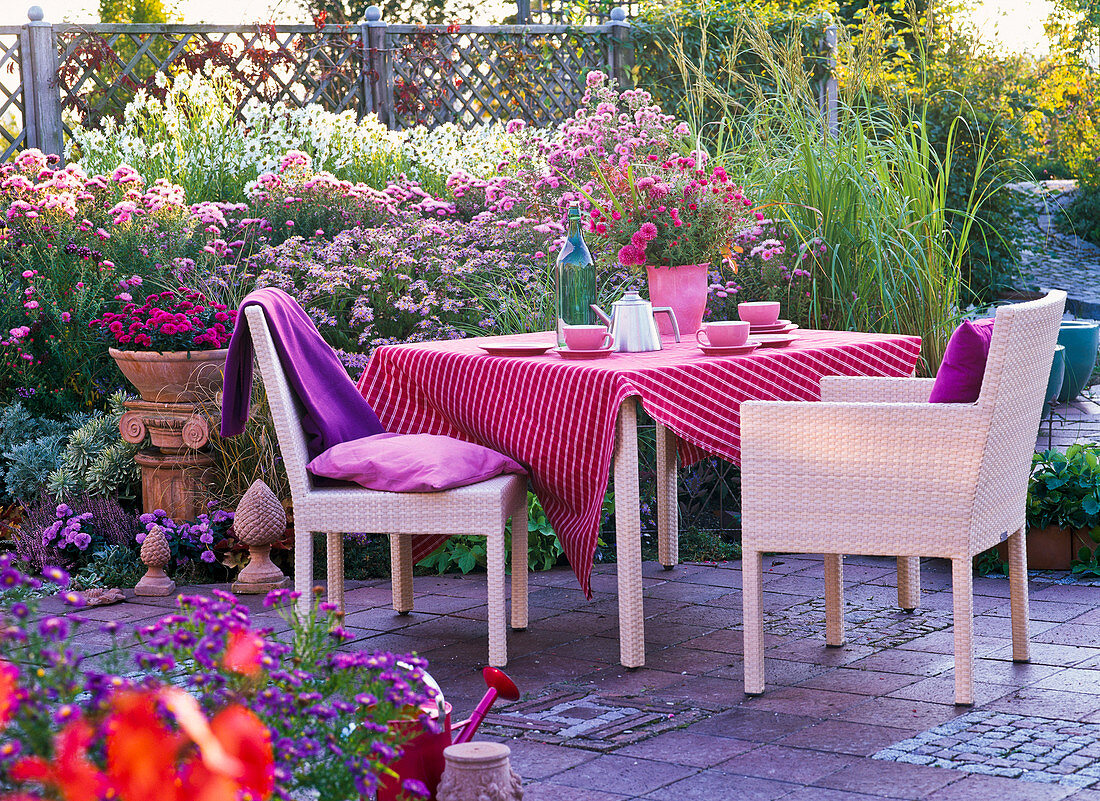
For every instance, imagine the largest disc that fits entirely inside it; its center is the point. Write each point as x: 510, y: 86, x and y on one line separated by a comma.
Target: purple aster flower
x: 56, y: 575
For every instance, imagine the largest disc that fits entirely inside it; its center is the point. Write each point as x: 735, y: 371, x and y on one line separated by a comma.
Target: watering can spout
x: 498, y: 684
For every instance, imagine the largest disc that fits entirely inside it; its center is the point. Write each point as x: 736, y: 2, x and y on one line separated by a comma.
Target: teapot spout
x: 601, y: 314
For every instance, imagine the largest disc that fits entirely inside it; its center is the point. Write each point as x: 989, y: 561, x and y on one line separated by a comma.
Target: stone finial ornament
x: 260, y: 521
x: 155, y: 554
x: 479, y: 771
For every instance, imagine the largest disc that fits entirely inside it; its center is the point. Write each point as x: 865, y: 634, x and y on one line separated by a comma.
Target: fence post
x: 523, y: 12
x: 41, y: 95
x: 829, y: 100
x: 620, y: 52
x: 379, y: 72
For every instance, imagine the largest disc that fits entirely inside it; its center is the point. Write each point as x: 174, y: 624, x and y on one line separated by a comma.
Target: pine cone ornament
x: 259, y: 522
x: 155, y: 554
x: 260, y: 518
x: 154, y: 550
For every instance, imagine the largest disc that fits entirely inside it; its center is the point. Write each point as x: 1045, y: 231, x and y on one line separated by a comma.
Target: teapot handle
x: 671, y: 316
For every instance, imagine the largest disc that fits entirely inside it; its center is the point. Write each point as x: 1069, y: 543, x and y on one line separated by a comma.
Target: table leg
x: 628, y: 537
x: 668, y: 520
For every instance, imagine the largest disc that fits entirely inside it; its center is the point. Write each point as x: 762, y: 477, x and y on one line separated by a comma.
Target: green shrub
x: 1082, y: 216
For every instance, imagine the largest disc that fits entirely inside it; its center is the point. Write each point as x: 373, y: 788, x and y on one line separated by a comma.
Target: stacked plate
x: 778, y: 327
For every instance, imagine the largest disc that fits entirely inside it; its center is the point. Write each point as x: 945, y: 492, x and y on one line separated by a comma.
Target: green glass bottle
x: 575, y: 281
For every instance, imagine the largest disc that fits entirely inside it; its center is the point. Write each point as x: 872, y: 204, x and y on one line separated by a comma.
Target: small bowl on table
x: 759, y: 312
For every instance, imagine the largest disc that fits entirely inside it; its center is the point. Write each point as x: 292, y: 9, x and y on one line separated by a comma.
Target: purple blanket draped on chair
x: 334, y: 411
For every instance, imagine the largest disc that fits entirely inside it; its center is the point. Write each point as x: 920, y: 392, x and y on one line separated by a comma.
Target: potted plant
x: 1063, y: 506
x: 172, y: 347
x: 674, y: 218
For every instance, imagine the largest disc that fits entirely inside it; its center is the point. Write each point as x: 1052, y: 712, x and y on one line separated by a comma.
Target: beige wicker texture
x: 628, y: 537
x: 668, y: 525
x: 479, y: 509
x: 893, y: 475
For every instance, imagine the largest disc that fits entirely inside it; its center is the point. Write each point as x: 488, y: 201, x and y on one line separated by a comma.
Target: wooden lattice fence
x: 407, y: 74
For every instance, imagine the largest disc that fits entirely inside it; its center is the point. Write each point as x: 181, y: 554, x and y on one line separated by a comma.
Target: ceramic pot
x: 1057, y: 374
x: 421, y: 756
x: 685, y: 289
x: 173, y: 377
x: 1081, y: 340
x: 1049, y: 548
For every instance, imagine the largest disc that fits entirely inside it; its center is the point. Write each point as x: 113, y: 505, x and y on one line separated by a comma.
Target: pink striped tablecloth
x: 557, y: 417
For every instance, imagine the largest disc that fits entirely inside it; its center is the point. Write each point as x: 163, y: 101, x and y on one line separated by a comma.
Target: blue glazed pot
x: 1081, y: 340
x: 1057, y: 373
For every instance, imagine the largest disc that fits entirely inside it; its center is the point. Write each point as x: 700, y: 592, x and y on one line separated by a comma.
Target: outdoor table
x: 565, y: 420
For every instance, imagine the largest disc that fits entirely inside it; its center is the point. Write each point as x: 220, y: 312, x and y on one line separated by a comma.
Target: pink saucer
x: 599, y: 353
x: 505, y: 349
x: 729, y: 350
x: 778, y: 328
x: 774, y: 340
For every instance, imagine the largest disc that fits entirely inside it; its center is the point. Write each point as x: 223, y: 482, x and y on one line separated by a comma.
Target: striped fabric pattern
x: 557, y: 417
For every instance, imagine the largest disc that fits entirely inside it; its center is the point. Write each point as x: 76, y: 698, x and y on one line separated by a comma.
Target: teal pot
x: 1081, y: 340
x: 1057, y: 373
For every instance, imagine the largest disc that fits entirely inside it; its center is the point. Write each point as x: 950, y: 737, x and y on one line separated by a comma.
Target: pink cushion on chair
x: 959, y: 379
x: 412, y: 463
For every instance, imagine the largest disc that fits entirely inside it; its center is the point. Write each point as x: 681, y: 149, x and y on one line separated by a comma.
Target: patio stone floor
x: 874, y: 719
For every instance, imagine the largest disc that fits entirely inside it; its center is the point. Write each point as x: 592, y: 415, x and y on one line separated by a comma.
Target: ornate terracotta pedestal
x: 173, y: 471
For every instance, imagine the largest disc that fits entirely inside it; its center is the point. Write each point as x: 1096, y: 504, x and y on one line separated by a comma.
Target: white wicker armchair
x: 875, y: 469
x: 481, y: 509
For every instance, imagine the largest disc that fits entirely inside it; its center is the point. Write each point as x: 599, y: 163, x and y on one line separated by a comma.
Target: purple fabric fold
x: 334, y: 411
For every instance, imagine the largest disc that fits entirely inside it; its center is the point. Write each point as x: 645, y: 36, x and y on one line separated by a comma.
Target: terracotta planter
x: 174, y: 377
x: 1050, y: 548
x: 685, y: 290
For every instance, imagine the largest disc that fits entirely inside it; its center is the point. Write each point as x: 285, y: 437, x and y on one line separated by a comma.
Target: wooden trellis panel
x: 12, y: 132
x: 103, y: 66
x: 474, y: 75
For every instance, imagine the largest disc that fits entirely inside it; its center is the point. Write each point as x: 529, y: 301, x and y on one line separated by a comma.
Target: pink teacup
x: 723, y: 334
x: 587, y: 337
x: 759, y: 312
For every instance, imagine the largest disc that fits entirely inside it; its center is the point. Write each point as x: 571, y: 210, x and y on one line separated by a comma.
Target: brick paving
x: 836, y: 724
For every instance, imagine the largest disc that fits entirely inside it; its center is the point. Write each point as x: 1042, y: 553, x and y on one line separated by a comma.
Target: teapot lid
x: 631, y: 298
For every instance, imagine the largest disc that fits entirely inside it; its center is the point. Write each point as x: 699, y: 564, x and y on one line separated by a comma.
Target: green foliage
x: 1082, y: 215
x: 30, y: 447
x: 96, y: 460
x: 989, y: 562
x: 110, y: 567
x: 1064, y: 489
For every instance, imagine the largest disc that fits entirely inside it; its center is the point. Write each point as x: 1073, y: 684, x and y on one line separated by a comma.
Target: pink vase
x: 685, y: 289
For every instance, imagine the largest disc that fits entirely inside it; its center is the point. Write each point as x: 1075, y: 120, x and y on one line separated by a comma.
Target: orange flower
x: 141, y: 750
x: 243, y: 652
x: 9, y: 692
x: 74, y: 777
x: 243, y: 738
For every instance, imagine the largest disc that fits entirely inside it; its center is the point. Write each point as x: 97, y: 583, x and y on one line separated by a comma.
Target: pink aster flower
x: 648, y: 231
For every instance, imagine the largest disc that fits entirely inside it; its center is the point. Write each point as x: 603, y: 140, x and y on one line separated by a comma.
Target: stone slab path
x: 872, y: 720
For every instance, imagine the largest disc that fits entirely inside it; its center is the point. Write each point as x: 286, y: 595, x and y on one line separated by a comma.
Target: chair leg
x: 668, y: 513
x: 336, y: 569
x: 498, y: 633
x: 1017, y: 582
x: 401, y: 572
x: 962, y: 592
x: 519, y: 565
x: 752, y: 606
x: 303, y: 571
x: 908, y: 582
x: 834, y: 600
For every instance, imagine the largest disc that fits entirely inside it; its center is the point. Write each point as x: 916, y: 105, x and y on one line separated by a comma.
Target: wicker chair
x: 875, y: 469
x: 481, y: 509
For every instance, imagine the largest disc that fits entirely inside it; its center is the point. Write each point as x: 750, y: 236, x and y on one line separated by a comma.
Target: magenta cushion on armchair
x: 412, y: 463
x: 959, y: 379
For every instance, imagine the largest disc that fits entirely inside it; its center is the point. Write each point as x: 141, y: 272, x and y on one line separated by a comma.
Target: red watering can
x: 422, y: 757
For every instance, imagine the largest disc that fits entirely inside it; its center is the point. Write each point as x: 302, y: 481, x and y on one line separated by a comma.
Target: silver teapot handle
x: 671, y: 316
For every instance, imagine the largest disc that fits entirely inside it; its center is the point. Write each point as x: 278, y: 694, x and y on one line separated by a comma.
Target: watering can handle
x: 671, y: 316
